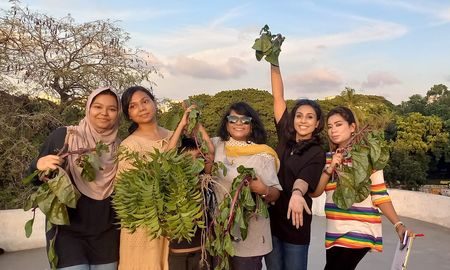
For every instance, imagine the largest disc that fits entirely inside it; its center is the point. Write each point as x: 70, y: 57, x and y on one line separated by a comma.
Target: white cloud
x: 380, y: 79
x: 371, y: 30
x: 232, y: 68
x: 315, y: 81
x: 435, y: 9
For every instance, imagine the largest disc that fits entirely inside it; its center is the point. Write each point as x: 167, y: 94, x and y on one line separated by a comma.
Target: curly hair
x: 258, y: 133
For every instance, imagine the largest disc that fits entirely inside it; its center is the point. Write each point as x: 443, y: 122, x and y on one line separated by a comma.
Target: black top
x: 307, y: 165
x: 91, y: 237
x: 196, y: 241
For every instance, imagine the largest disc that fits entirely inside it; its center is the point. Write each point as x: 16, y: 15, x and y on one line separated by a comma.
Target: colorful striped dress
x: 360, y: 225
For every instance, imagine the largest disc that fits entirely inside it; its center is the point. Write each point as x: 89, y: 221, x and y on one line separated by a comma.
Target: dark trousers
x: 185, y: 261
x: 246, y: 263
x: 339, y: 258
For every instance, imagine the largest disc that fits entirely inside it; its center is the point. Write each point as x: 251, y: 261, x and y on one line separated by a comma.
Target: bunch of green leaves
x: 89, y: 162
x: 161, y: 193
x: 234, y: 214
x: 368, y: 152
x: 268, y: 45
x: 52, y: 198
x: 57, y: 192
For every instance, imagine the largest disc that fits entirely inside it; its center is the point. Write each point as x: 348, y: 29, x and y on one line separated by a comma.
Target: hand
x: 336, y: 159
x: 49, y: 162
x: 295, y: 209
x: 257, y: 186
x: 401, y: 229
x: 185, y: 119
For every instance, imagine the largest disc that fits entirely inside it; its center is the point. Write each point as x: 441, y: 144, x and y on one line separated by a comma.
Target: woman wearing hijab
x: 91, y: 240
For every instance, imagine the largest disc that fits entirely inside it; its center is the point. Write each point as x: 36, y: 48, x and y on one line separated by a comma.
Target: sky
x: 389, y: 48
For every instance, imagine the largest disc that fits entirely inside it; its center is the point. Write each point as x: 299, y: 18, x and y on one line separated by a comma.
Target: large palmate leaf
x: 368, y: 153
x: 64, y: 190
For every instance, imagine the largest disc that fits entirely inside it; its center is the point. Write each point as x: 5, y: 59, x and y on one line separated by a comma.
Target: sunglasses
x: 233, y: 119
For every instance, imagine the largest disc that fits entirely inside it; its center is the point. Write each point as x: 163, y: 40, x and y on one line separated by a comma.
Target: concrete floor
x: 431, y: 252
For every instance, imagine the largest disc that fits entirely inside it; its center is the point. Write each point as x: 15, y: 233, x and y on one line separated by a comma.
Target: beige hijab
x: 85, y: 136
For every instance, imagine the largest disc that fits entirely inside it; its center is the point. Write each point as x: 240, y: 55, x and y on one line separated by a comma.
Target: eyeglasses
x: 233, y: 119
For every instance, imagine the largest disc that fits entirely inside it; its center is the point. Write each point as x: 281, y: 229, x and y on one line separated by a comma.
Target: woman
x: 352, y: 232
x: 91, y: 241
x: 241, y: 142
x: 137, y: 251
x: 302, y: 160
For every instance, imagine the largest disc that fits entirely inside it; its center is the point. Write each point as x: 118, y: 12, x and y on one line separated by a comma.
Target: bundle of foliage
x: 161, y: 193
x: 57, y: 192
x: 268, y: 45
x: 368, y: 152
x: 234, y: 214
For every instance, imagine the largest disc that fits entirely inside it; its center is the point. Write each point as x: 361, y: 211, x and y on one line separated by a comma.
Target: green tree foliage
x: 406, y: 169
x: 213, y: 107
x: 66, y: 59
x: 25, y: 124
x: 418, y: 139
x: 369, y: 109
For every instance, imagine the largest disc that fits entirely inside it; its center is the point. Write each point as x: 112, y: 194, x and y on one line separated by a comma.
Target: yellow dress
x: 137, y: 251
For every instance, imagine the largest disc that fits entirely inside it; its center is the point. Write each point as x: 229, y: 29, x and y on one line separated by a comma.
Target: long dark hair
x: 301, y: 146
x: 126, y: 99
x: 257, y: 135
x: 348, y: 116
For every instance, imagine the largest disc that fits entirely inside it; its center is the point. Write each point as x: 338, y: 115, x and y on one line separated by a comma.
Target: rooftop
x: 429, y: 252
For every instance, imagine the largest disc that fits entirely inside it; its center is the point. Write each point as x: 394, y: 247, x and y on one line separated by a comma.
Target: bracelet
x: 267, y: 193
x: 398, y: 223
x: 327, y: 173
x: 297, y: 189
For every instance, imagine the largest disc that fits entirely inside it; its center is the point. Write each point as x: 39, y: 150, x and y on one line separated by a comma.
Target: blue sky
x: 383, y: 47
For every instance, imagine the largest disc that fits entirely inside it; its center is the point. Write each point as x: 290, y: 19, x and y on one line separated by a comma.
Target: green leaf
x: 29, y: 227
x: 27, y: 180
x: 51, y: 254
x: 30, y: 202
x: 90, y: 165
x: 64, y: 190
x: 101, y: 148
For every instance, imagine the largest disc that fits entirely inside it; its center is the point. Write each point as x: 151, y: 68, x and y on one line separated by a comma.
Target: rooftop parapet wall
x: 418, y: 205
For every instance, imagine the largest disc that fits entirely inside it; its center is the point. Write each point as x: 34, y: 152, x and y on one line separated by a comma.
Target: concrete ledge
x: 418, y: 205
x: 12, y: 232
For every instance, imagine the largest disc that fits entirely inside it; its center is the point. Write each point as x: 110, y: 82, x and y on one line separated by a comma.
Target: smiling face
x: 339, y: 130
x: 103, y: 112
x: 237, y: 129
x: 142, y: 108
x: 305, y: 122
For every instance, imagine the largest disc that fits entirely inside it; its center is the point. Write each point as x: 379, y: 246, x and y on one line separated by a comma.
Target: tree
x: 437, y: 91
x: 416, y: 103
x: 65, y: 59
x: 213, y: 107
x: 419, y: 139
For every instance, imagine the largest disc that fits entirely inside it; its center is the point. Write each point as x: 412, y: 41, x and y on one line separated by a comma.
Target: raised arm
x: 210, y: 157
x: 279, y: 104
x: 179, y: 130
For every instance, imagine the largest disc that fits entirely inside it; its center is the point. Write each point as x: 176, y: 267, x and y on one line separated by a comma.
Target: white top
x: 259, y: 238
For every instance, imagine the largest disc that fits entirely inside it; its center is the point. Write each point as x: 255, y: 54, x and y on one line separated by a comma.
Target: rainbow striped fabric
x: 360, y: 225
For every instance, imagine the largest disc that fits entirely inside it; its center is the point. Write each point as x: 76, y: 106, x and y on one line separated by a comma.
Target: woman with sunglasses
x: 241, y: 142
x: 302, y: 161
